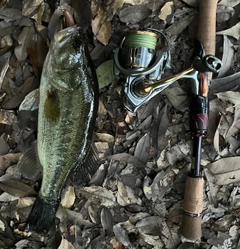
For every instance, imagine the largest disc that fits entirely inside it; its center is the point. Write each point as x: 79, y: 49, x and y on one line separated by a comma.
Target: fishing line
x: 141, y: 39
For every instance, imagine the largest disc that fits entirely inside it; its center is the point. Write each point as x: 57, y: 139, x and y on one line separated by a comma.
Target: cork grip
x: 207, y: 25
x: 191, y: 222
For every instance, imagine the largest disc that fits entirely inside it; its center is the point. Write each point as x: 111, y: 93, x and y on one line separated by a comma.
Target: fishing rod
x: 199, y: 118
x: 141, y: 60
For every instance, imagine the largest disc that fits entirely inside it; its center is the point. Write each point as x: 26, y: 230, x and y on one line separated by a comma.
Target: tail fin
x: 42, y: 215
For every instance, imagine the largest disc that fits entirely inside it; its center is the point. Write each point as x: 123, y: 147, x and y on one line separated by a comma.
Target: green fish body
x: 66, y: 120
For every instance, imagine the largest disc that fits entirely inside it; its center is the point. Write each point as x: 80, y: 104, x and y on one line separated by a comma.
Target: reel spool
x: 138, y: 49
x: 142, y: 57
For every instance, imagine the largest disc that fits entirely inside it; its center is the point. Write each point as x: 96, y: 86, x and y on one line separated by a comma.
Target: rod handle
x: 207, y: 25
x: 192, y: 206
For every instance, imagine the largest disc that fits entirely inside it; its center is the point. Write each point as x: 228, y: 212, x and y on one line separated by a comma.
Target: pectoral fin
x: 28, y: 165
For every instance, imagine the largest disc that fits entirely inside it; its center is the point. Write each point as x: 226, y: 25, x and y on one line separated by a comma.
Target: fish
x: 68, y: 104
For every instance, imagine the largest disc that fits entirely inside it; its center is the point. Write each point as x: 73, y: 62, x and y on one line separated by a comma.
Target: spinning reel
x: 141, y: 60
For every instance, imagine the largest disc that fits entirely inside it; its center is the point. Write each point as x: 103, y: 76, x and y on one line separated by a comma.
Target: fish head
x: 67, y: 57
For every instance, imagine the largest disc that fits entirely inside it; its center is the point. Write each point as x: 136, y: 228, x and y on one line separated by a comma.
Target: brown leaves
x: 226, y: 170
x: 16, y: 188
x: 135, y: 197
x: 134, y: 14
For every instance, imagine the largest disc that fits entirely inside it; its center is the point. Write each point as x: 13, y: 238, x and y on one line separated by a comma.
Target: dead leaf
x: 17, y: 188
x: 107, y: 220
x: 10, y: 14
x: 233, y: 97
x: 134, y: 14
x: 229, y: 3
x: 166, y: 11
x: 235, y: 126
x: 138, y: 2
x: 97, y: 22
x: 125, y: 157
x: 116, y: 244
x: 193, y: 3
x: 104, y: 33
x: 177, y: 27
x: 105, y: 197
x: 65, y: 244
x: 31, y: 6
x: 224, y: 84
x: 68, y: 197
x: 224, y: 13
x: 126, y: 195
x: 226, y: 175
x: 122, y: 235
x: 170, y: 232
x: 23, y: 39
x: 233, y: 31
x: 151, y: 225
x: 177, y: 96
x: 143, y: 148
x: 227, y: 59
x: 19, y: 94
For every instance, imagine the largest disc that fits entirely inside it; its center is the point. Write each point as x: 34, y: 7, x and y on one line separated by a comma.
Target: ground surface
x: 135, y: 200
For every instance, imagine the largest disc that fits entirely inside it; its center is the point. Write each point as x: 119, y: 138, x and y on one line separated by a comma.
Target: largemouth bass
x: 66, y: 120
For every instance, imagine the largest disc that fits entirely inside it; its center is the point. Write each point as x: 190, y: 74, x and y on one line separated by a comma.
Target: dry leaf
x: 224, y: 13
x: 66, y: 244
x: 68, y: 197
x: 177, y: 27
x: 177, y: 96
x: 105, y: 197
x: 104, y: 137
x: 143, y: 148
x: 126, y: 195
x: 224, y: 84
x: 10, y: 14
x: 116, y: 244
x: 233, y: 31
x: 229, y: 3
x: 122, y: 235
x: 228, y: 54
x: 134, y: 14
x: 226, y: 175
x: 236, y: 122
x: 31, y: 6
x: 151, y: 225
x: 193, y: 3
x: 170, y: 232
x: 104, y: 33
x: 19, y: 94
x: 17, y: 188
x: 166, y: 11
x: 233, y: 97
x: 107, y: 220
x: 23, y: 39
